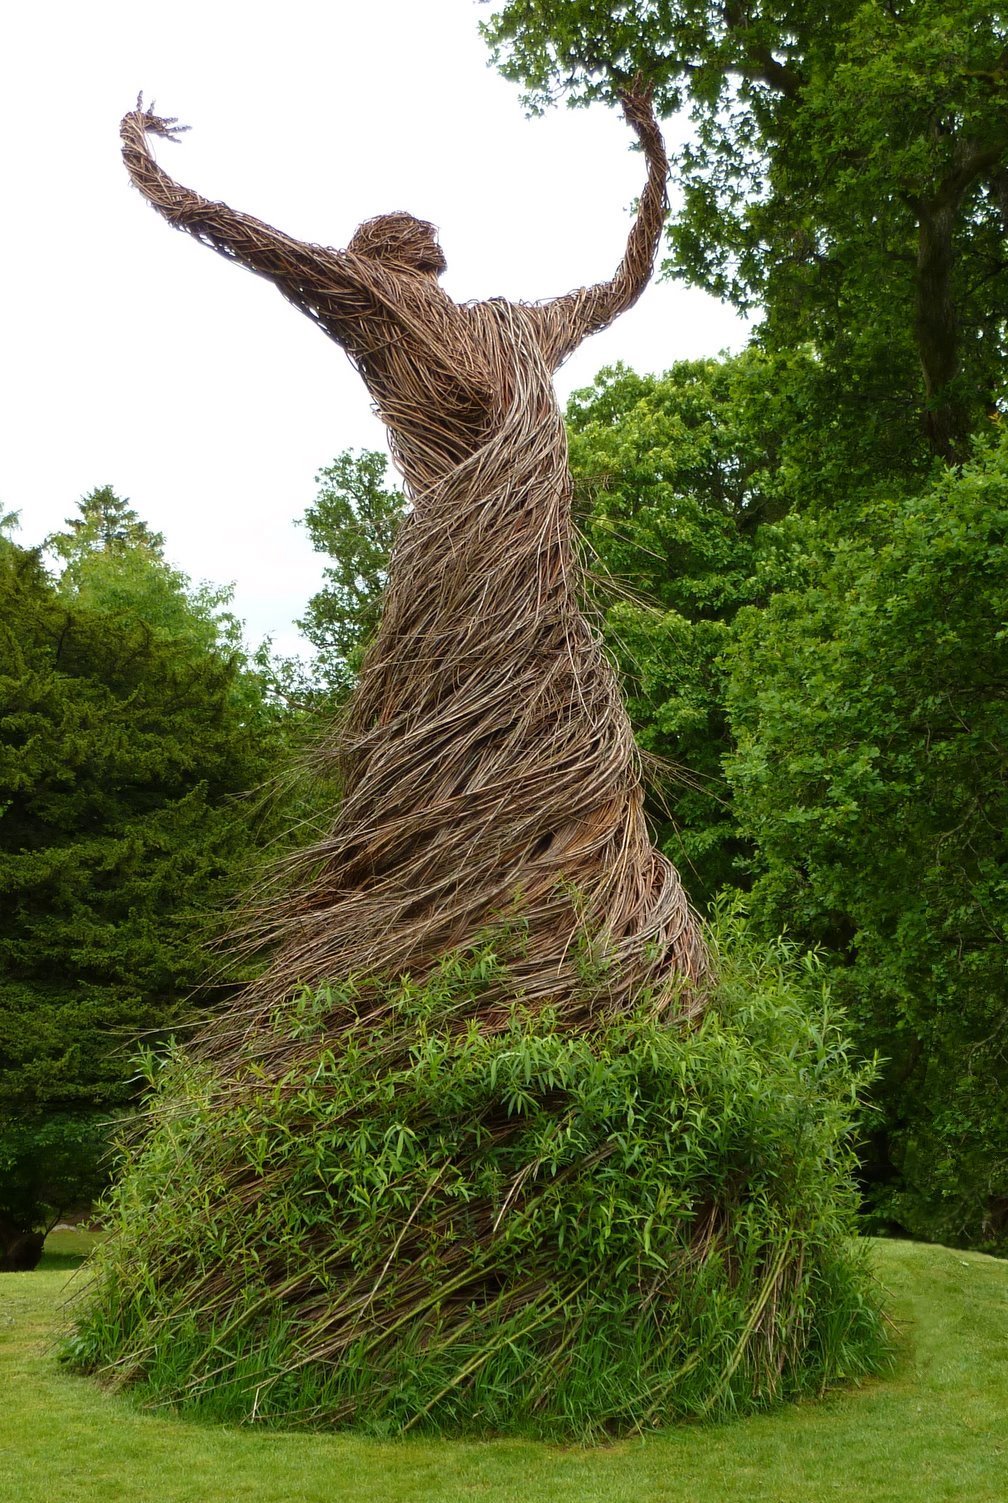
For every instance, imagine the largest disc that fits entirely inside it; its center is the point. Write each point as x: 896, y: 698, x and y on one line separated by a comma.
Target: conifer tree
x: 130, y: 728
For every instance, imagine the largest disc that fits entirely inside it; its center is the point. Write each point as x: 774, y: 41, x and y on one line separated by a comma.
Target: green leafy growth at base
x: 431, y: 1225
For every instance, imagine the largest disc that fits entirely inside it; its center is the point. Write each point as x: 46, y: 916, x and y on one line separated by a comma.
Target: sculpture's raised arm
x: 320, y: 281
x: 567, y: 320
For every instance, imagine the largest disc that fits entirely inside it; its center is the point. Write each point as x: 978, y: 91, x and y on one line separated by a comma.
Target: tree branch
x: 764, y: 65
x: 970, y: 162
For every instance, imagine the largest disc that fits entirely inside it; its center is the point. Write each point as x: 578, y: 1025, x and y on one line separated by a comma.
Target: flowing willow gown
x: 488, y: 766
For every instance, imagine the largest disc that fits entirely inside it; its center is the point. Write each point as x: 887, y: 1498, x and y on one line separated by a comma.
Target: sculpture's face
x: 402, y: 240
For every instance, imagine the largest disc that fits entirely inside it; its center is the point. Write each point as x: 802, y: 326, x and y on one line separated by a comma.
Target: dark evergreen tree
x: 131, y: 730
x: 105, y: 523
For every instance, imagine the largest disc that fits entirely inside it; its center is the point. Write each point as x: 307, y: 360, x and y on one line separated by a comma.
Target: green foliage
x: 678, y: 479
x: 668, y: 506
x: 129, y: 727
x: 107, y: 525
x: 50, y: 1166
x: 832, y: 638
x: 869, y: 706
x: 353, y: 522
x: 847, y: 172
x: 430, y: 1224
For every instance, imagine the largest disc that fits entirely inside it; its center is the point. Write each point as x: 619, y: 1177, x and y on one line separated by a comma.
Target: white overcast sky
x: 131, y: 356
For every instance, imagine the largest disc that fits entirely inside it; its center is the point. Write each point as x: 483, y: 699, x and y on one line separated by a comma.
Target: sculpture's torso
x: 444, y: 376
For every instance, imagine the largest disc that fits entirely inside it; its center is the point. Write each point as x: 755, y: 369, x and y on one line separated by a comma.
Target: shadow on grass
x: 67, y: 1248
x: 51, y: 1262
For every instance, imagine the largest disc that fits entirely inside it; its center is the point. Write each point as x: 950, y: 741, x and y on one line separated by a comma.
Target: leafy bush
x: 871, y: 716
x: 440, y: 1225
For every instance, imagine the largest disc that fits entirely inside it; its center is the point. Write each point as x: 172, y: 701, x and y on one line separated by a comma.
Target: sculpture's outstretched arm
x: 318, y: 280
x: 566, y: 321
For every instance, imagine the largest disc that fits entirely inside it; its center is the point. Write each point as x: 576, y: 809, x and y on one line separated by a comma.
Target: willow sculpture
x: 487, y: 763
x: 402, y: 1182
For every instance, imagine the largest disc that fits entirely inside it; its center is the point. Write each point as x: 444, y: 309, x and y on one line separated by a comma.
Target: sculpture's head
x: 401, y: 240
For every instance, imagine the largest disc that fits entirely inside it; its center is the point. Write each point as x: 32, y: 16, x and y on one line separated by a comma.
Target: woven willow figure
x: 487, y: 761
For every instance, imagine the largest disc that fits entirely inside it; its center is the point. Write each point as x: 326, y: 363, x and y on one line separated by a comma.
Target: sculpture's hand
x: 321, y: 282
x: 150, y: 124
x: 565, y: 321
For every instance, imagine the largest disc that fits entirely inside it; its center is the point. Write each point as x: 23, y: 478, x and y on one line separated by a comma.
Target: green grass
x: 934, y: 1431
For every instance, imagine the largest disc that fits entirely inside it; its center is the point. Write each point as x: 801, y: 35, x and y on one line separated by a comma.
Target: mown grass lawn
x: 935, y: 1430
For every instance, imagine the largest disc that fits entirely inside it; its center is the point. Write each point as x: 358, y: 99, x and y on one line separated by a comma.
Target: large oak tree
x: 847, y: 172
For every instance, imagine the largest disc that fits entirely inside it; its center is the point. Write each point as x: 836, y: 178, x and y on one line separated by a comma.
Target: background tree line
x: 808, y: 546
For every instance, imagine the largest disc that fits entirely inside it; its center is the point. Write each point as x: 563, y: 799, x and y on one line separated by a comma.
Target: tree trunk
x: 936, y: 327
x: 20, y: 1250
